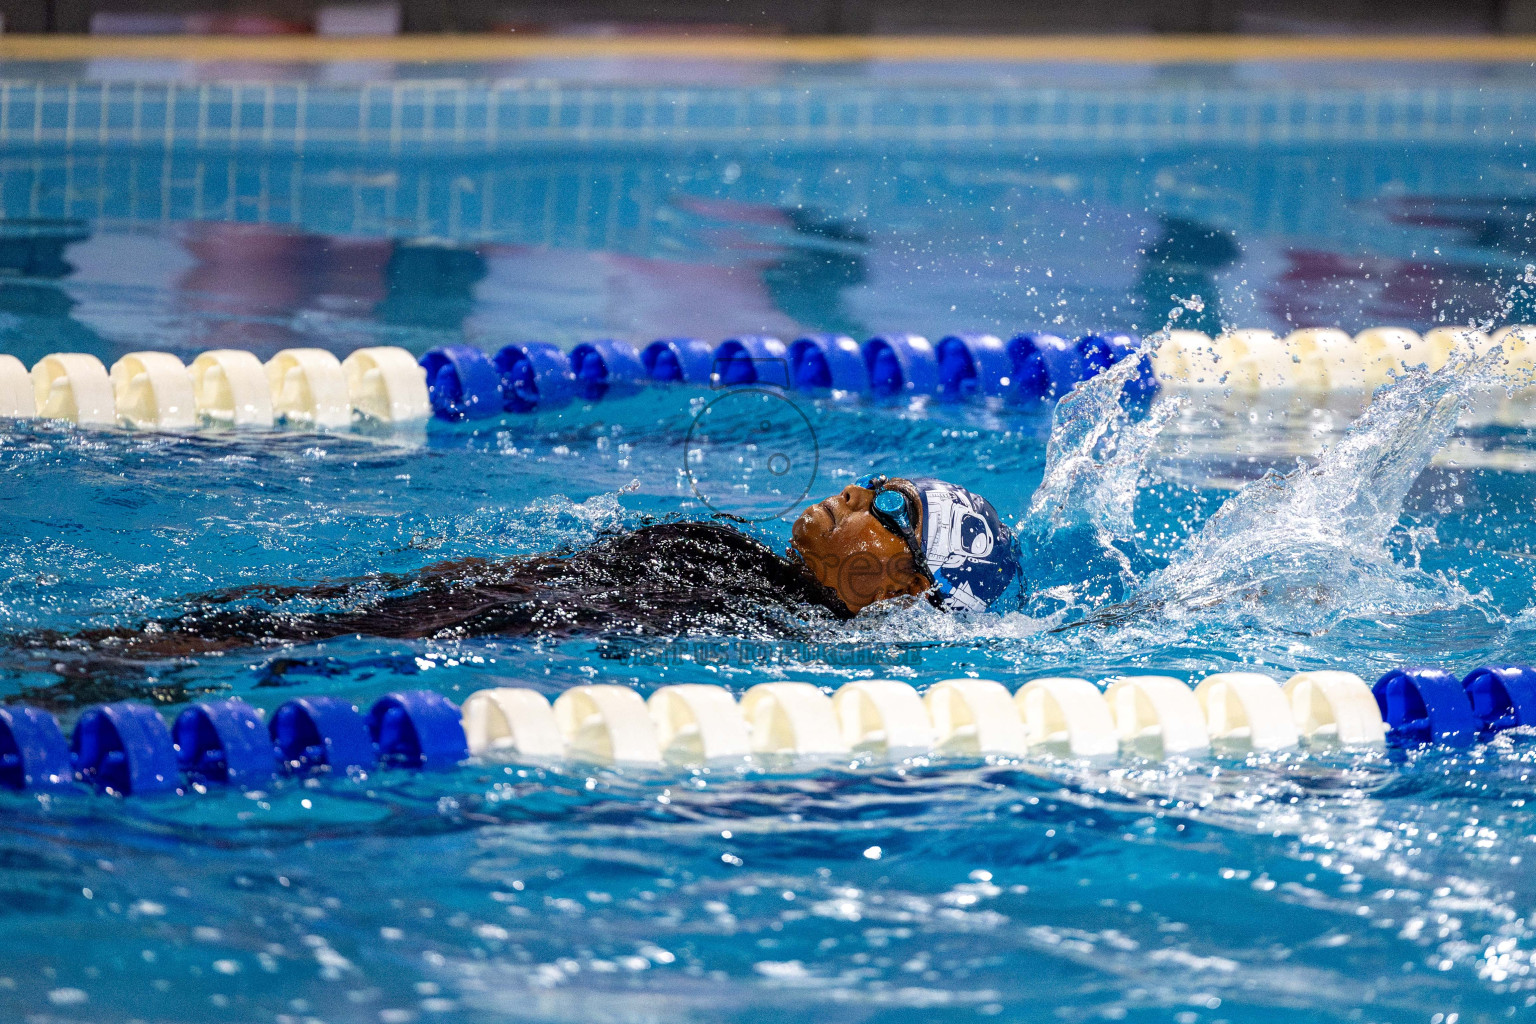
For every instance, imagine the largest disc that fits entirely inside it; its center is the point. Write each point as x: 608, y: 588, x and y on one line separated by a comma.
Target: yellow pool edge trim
x: 1109, y: 49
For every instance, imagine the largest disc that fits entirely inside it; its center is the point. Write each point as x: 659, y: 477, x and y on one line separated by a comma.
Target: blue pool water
x: 160, y: 207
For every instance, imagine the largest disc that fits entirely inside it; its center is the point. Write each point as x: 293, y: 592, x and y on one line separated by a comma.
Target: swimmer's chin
x: 798, y: 530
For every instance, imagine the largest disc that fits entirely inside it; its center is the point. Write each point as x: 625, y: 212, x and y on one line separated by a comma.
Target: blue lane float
x: 462, y: 383
x: 819, y: 362
x: 417, y: 729
x: 1043, y: 367
x: 33, y: 751
x: 126, y: 749
x: 224, y: 742
x: 972, y: 365
x: 315, y: 732
x: 752, y: 359
x: 901, y: 365
x: 606, y: 367
x: 1423, y: 705
x: 1098, y: 352
x: 534, y: 376
x: 1502, y: 696
x: 679, y: 361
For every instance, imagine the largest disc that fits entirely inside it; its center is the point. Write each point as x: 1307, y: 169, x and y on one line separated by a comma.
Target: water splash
x: 1301, y: 551
x: 1095, y: 459
x: 1095, y: 454
x: 1288, y: 555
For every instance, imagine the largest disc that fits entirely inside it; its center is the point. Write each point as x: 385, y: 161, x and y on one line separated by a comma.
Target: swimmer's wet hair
x: 663, y: 579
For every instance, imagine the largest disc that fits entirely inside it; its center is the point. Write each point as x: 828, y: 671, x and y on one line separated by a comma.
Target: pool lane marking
x: 808, y: 49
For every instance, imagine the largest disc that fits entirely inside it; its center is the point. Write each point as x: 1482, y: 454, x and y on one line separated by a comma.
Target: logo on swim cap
x: 968, y: 549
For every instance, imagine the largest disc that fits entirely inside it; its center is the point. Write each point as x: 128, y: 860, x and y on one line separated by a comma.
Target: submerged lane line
x: 1113, y: 49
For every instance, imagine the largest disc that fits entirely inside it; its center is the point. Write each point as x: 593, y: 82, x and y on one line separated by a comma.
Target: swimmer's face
x: 851, y: 552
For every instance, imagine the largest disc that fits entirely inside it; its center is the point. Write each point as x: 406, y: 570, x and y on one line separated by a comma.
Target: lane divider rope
x: 127, y: 748
x: 311, y: 389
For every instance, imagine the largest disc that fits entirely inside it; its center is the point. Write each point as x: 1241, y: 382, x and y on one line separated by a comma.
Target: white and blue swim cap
x: 956, y: 537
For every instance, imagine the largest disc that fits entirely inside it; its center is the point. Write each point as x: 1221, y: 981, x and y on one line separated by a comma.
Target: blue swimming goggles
x: 897, y: 507
x: 893, y: 506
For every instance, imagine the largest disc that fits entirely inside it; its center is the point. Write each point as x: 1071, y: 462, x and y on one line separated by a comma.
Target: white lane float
x: 1247, y: 709
x: 1153, y: 716
x: 1064, y: 714
x: 698, y: 722
x: 1441, y: 344
x: 1384, y: 353
x: 387, y: 385
x: 309, y: 389
x: 1335, y: 708
x: 1518, y: 343
x: 231, y: 389
x: 17, y: 402
x: 1485, y: 405
x: 1255, y: 359
x: 606, y: 724
x: 75, y: 387
x: 885, y: 716
x: 1185, y: 359
x: 1395, y: 350
x: 1511, y: 400
x: 153, y: 391
x: 791, y: 718
x: 974, y: 716
x: 512, y: 720
x: 1323, y: 360
x: 1157, y: 716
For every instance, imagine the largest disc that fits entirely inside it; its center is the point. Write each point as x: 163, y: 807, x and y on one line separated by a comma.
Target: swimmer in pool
x: 879, y: 539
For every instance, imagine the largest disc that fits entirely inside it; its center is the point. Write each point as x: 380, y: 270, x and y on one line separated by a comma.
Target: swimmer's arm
x: 453, y: 570
x: 1110, y: 615
x: 205, y: 626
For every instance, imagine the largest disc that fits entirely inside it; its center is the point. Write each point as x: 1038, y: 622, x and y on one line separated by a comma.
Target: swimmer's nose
x: 857, y: 498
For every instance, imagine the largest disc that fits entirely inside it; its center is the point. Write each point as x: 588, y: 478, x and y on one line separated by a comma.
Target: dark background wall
x: 841, y: 16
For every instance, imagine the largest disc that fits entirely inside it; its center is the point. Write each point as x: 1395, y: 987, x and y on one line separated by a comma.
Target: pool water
x: 1181, y: 536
